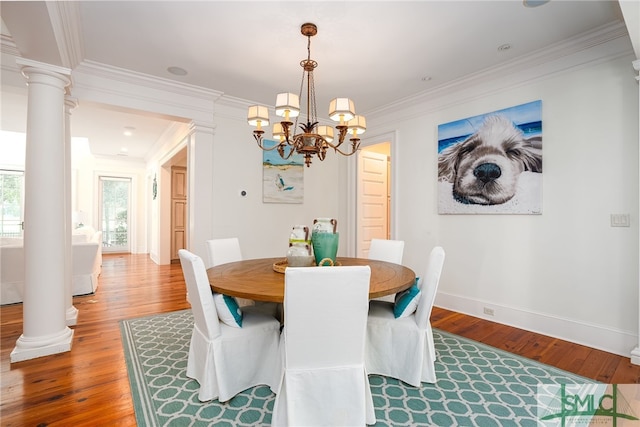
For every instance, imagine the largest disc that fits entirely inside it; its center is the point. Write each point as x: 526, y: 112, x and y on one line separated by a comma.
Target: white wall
x: 566, y: 273
x: 264, y: 228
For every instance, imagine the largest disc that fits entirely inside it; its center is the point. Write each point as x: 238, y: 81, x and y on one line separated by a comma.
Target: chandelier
x: 314, y: 139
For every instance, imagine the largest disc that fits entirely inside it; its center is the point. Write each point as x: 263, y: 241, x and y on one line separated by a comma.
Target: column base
x: 635, y: 356
x: 31, y: 348
x: 72, y: 316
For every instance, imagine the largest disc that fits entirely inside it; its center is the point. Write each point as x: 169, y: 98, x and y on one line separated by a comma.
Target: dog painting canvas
x: 492, y: 163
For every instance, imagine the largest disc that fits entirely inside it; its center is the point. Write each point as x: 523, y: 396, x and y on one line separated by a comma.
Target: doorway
x: 115, y: 213
x: 373, y: 196
x: 171, y: 211
x: 178, y: 211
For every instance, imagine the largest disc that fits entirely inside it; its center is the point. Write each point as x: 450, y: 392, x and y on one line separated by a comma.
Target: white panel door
x: 373, y: 200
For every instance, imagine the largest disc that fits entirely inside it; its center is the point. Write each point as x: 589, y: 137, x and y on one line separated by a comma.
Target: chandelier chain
x: 312, y: 98
x: 300, y: 92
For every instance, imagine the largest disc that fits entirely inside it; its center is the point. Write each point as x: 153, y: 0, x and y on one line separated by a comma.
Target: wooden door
x: 178, y: 210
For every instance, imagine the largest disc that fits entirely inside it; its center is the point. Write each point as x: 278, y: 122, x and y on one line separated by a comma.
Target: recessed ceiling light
x: 124, y: 150
x: 504, y: 47
x: 426, y: 78
x: 177, y: 71
x: 128, y: 130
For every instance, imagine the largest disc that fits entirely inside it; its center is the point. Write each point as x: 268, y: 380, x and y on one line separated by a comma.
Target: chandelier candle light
x: 314, y: 139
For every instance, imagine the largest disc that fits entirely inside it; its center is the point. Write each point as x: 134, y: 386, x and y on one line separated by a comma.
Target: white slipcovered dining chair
x: 403, y: 348
x: 324, y: 381
x: 222, y: 251
x: 226, y: 360
x: 386, y: 250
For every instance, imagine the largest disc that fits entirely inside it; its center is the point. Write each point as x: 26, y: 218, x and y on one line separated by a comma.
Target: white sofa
x: 86, y: 261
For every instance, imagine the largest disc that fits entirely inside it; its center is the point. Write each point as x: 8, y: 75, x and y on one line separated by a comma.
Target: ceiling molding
x: 234, y: 102
x: 523, y: 64
x: 67, y: 28
x: 127, y: 90
x: 8, y: 46
x: 631, y: 13
x: 91, y: 68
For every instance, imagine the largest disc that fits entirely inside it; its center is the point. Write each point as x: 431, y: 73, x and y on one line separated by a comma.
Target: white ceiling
x: 374, y: 52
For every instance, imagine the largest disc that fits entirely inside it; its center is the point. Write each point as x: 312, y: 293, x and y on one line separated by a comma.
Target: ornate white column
x: 44, y: 321
x: 71, y: 311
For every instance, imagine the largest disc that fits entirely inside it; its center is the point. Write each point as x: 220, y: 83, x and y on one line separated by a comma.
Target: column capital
x: 32, y: 68
x: 24, y: 63
x: 203, y: 127
x: 70, y: 103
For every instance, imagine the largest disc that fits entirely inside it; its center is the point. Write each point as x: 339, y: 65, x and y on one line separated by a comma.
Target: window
x: 11, y: 203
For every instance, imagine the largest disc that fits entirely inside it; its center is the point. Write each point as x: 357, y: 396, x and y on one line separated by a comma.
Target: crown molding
x: 519, y: 66
x: 104, y: 84
x: 122, y: 75
x: 137, y: 162
x: 95, y: 69
x: 67, y: 29
x: 8, y: 46
x: 234, y: 102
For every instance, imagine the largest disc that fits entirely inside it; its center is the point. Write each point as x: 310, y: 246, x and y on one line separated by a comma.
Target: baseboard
x: 591, y: 335
x: 154, y: 257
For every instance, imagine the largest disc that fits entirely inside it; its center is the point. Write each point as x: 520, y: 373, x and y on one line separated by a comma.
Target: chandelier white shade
x: 315, y: 139
x: 326, y: 132
x: 287, y: 105
x: 357, y: 125
x: 341, y: 110
x: 258, y: 116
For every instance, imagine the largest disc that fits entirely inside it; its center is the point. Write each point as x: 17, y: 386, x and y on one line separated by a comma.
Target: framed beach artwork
x: 492, y: 163
x: 282, y: 179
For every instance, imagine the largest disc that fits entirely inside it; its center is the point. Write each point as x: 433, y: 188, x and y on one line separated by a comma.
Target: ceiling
x: 375, y: 53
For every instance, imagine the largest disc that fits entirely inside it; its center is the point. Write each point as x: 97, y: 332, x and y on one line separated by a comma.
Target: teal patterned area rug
x: 477, y: 385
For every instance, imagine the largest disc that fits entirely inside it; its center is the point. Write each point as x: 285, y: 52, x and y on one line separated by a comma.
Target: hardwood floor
x: 89, y: 384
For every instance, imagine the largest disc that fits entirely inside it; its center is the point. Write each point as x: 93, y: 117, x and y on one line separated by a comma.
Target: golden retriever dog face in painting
x: 485, y: 167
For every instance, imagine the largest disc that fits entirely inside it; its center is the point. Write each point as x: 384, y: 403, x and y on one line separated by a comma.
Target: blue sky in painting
x: 460, y: 129
x: 274, y: 158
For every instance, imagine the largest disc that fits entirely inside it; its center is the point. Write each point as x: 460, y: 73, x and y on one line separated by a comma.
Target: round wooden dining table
x: 257, y: 280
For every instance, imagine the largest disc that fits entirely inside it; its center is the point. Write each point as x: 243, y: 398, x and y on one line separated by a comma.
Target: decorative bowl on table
x: 301, y: 261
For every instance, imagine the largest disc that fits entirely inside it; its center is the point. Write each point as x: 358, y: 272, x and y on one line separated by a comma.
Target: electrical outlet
x: 620, y: 220
x: 488, y: 311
